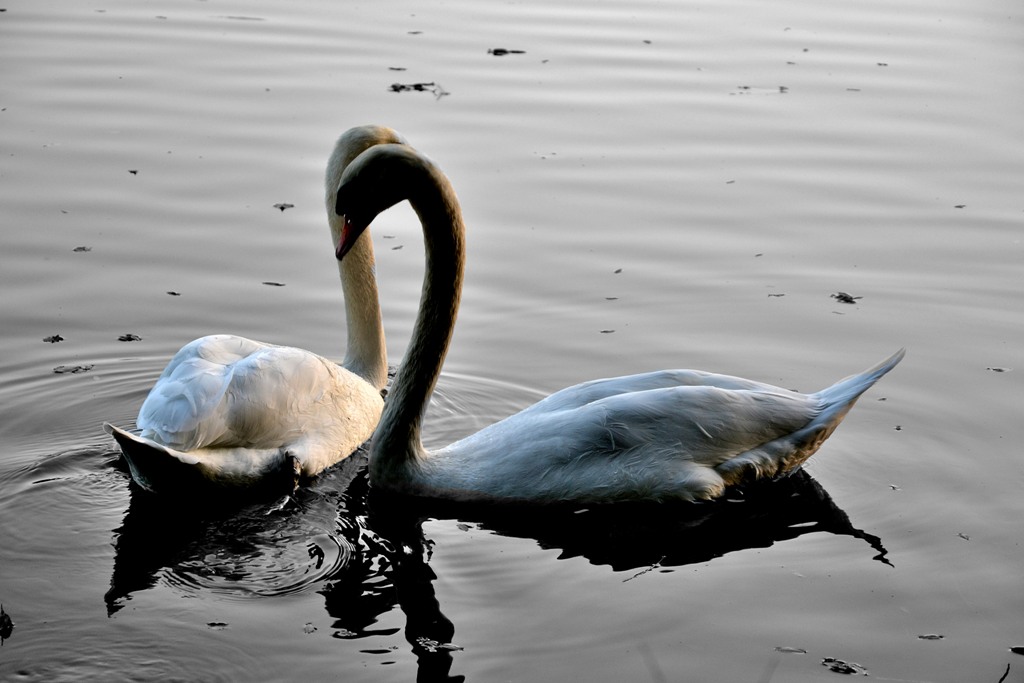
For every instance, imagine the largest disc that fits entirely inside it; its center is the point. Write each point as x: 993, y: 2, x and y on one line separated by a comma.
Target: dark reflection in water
x: 627, y: 537
x: 365, y: 552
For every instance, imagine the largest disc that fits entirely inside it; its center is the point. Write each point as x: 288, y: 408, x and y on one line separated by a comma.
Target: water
x: 647, y: 185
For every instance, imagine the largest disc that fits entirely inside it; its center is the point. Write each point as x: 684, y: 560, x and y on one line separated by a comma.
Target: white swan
x: 672, y: 434
x: 237, y: 412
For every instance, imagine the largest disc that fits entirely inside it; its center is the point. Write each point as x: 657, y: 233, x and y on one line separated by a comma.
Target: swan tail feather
x: 158, y: 468
x: 840, y: 397
x: 782, y: 456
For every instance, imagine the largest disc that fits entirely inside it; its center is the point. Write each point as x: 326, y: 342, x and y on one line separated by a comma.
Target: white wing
x: 227, y: 392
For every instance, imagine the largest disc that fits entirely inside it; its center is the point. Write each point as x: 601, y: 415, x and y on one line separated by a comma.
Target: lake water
x: 646, y: 185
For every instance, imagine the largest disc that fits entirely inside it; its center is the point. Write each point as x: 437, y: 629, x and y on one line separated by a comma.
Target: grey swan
x: 667, y: 435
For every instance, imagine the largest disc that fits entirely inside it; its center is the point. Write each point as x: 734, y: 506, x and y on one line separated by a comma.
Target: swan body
x: 238, y: 413
x: 666, y: 435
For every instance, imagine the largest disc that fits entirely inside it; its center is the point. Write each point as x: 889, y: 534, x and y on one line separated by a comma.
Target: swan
x: 666, y: 435
x: 236, y: 412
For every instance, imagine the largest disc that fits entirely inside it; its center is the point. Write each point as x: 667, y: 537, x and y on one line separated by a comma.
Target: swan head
x: 376, y: 180
x: 348, y: 147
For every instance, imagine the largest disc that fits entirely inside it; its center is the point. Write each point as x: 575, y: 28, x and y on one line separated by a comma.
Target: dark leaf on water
x: 844, y: 298
x: 53, y: 339
x: 271, y: 283
x: 791, y: 650
x: 172, y: 293
x: 6, y: 625
x: 931, y: 636
x: 283, y: 205
x: 71, y: 369
x: 129, y: 337
x: 82, y: 249
x: 430, y: 87
x: 501, y: 52
x: 841, y: 667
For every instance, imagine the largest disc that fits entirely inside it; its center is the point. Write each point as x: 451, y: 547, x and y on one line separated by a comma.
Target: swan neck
x: 398, y: 442
x: 365, y: 352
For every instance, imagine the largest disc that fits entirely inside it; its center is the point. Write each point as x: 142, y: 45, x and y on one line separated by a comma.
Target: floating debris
x: 71, y: 369
x: 501, y: 52
x: 133, y: 171
x: 431, y: 645
x: 53, y: 339
x: 344, y: 633
x: 999, y: 369
x: 770, y: 295
x: 840, y: 667
x: 271, y: 283
x: 129, y: 337
x: 217, y: 625
x: 6, y: 625
x: 173, y: 293
x: 607, y: 331
x: 791, y: 650
x: 309, y: 627
x: 430, y: 87
x: 749, y: 89
x: 964, y: 536
x: 82, y: 249
x: 960, y: 206
x: 647, y: 570
x: 931, y: 636
x: 844, y: 298
x: 284, y: 205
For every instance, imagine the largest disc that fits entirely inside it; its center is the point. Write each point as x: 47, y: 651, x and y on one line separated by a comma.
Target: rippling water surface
x: 646, y: 185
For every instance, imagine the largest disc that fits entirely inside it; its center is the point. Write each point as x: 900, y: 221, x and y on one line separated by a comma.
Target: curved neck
x: 365, y: 352
x: 397, y: 441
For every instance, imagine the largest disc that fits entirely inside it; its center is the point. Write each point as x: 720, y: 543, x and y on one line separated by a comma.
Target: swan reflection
x: 366, y: 553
